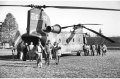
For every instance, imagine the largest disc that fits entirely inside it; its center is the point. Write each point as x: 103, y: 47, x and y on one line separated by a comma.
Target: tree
x: 9, y: 29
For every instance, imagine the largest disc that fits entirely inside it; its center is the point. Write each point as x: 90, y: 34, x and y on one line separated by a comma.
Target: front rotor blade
x: 88, y: 8
x: 17, y: 5
x: 99, y: 34
x: 63, y: 7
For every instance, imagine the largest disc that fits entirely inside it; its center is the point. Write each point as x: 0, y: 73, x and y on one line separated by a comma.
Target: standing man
x: 31, y: 46
x: 13, y: 51
x: 39, y: 54
x: 57, y: 52
x: 104, y: 49
x: 25, y: 50
x: 93, y: 47
x: 48, y: 52
x: 84, y: 49
x: 99, y: 50
x: 53, y: 50
x: 31, y: 53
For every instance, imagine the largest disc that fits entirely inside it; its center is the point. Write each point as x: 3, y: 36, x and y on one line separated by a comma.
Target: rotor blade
x: 79, y: 25
x: 35, y: 6
x: 17, y: 5
x: 91, y: 24
x: 66, y: 27
x: 99, y: 34
x: 73, y: 7
x: 63, y: 7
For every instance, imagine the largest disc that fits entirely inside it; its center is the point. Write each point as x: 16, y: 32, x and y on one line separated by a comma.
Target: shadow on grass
x: 9, y: 57
x: 64, y: 55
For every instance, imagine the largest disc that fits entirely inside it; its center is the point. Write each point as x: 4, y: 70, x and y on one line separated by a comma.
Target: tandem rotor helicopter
x: 38, y: 27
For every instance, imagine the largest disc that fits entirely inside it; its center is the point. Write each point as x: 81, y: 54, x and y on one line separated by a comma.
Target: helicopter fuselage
x: 38, y: 27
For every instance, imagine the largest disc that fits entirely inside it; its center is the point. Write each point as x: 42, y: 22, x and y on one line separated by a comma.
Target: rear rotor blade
x: 91, y: 24
x: 66, y: 27
x: 79, y: 25
x: 99, y: 34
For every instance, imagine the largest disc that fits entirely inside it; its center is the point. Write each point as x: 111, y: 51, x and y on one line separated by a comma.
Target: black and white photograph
x: 59, y: 39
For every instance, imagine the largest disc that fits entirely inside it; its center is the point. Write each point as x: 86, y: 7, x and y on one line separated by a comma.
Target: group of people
x: 37, y: 52
x: 94, y: 49
x: 50, y: 51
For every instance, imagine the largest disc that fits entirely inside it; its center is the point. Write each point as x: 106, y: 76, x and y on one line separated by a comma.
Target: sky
x: 110, y: 20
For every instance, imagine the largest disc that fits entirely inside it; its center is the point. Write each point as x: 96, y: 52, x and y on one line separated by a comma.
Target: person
x: 31, y: 46
x: 99, y: 49
x: 93, y: 50
x: 13, y: 51
x: 21, y: 50
x: 25, y: 50
x: 48, y: 52
x: 53, y: 50
x: 87, y: 50
x: 84, y: 49
x: 51, y: 47
x: 104, y: 49
x: 57, y: 52
x: 39, y: 54
x: 31, y: 52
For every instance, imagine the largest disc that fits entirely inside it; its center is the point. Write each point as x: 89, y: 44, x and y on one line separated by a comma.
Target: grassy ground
x: 70, y: 66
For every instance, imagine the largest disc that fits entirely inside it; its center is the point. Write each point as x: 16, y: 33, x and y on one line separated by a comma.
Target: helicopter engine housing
x: 55, y: 29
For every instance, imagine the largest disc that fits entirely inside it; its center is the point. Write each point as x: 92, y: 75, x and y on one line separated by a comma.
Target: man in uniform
x: 13, y: 51
x: 57, y: 52
x: 48, y: 48
x: 31, y: 52
x: 104, y: 49
x: 39, y: 54
x: 25, y: 50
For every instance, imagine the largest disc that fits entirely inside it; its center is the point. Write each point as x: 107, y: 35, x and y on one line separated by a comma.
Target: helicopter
x: 39, y: 28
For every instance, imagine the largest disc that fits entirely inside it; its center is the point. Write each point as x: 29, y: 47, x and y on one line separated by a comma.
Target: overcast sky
x: 110, y: 20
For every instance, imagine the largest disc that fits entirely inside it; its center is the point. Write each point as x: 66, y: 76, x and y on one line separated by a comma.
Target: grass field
x: 70, y: 66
